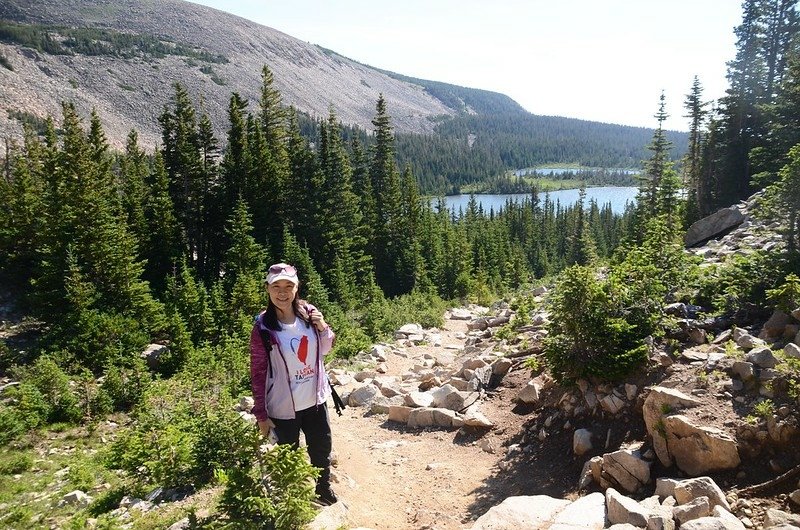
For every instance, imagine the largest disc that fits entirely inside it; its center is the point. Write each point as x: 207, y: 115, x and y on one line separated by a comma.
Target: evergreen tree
x: 162, y: 246
x: 697, y: 196
x: 654, y: 167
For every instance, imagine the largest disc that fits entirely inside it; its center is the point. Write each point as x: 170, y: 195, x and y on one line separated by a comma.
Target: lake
x: 618, y: 196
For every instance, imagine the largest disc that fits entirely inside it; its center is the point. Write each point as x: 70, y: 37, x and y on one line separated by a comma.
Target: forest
x: 108, y: 252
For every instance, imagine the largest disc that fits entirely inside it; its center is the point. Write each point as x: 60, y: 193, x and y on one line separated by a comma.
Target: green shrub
x: 55, y: 401
x: 276, y: 493
x: 15, y: 462
x: 742, y: 282
x: 589, y: 335
x: 382, y: 317
x: 81, y: 476
x: 124, y: 385
x: 786, y: 296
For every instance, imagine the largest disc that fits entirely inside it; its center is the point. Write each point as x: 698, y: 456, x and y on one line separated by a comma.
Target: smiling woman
x: 287, y: 373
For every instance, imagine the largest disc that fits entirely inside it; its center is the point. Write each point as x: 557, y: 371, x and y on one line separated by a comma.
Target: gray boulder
x: 715, y: 224
x: 521, y: 513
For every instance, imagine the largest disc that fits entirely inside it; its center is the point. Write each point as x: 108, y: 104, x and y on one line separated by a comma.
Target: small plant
x: 73, y: 83
x: 666, y: 408
x: 786, y: 296
x: 14, y: 463
x: 532, y: 363
x: 764, y: 409
x: 661, y: 428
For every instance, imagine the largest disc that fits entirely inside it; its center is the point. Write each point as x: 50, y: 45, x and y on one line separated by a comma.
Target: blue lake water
x: 617, y: 196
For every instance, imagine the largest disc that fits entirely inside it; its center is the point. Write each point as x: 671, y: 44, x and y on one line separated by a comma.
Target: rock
x: 748, y: 342
x: 458, y: 401
x: 421, y: 417
x: 364, y: 375
x: 245, y: 404
x: 519, y: 513
x: 715, y: 224
x: 333, y: 516
x: 363, y: 396
x: 460, y: 313
x: 419, y: 399
x: 76, y: 498
x: 699, y: 449
x: 795, y: 497
x: 382, y: 404
x: 762, y: 357
x: 627, y: 469
x: 183, y: 524
x: 399, y: 414
x: 501, y: 366
x: 542, y: 290
x: 152, y: 354
x: 440, y: 393
x: 477, y: 419
x: 529, y: 393
x: 587, y: 512
x: 410, y: 329
x: 446, y: 418
x: 612, y: 404
x: 581, y: 441
x: 792, y: 350
x: 731, y: 521
x: 775, y: 326
x: 631, y: 391
x: 665, y: 487
x: 659, y: 401
x: 624, y: 510
x: 776, y: 517
x: 711, y: 523
x: 689, y: 489
x: 743, y: 370
x: 697, y: 508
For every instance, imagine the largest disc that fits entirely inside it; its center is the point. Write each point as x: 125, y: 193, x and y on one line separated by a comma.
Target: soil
x: 390, y: 476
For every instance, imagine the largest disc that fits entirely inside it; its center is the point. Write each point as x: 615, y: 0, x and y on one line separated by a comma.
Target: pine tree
x: 697, y: 197
x: 88, y: 238
x: 163, y: 245
x: 654, y: 167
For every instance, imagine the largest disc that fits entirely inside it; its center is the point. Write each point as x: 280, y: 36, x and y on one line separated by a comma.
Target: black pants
x: 317, y: 429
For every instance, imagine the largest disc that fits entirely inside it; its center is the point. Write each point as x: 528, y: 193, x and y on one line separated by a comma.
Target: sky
x: 598, y: 60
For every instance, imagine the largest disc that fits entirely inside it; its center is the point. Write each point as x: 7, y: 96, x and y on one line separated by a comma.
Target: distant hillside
x: 121, y: 57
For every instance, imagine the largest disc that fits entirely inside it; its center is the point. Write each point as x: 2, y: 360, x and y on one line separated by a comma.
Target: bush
x: 183, y: 434
x: 741, y: 283
x: 276, y: 493
x: 12, y: 463
x: 589, y: 336
x: 46, y: 393
x: 124, y: 385
x: 381, y: 318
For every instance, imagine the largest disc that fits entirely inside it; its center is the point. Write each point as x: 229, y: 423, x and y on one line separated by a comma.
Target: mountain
x: 122, y: 58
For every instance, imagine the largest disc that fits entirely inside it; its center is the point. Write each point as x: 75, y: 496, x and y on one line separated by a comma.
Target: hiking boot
x: 325, y: 495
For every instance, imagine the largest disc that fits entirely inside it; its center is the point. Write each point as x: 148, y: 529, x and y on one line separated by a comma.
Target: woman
x: 287, y: 374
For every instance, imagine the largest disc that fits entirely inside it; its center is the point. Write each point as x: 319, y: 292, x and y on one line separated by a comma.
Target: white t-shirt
x: 298, y: 346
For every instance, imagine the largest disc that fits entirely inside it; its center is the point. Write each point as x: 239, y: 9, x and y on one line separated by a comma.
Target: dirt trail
x: 394, y: 478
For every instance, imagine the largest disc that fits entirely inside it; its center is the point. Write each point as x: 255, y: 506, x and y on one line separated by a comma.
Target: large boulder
x: 699, y: 449
x: 521, y: 513
x: 627, y: 468
x: 717, y: 223
x: 659, y: 402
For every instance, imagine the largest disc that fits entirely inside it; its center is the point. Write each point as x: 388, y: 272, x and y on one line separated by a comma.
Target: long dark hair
x: 299, y: 305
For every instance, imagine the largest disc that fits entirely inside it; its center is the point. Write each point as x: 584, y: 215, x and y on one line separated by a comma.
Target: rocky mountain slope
x: 130, y: 92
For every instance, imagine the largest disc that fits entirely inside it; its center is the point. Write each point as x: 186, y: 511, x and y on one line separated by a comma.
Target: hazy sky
x: 601, y: 60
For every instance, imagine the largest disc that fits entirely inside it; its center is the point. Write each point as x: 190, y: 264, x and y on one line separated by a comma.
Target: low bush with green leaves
x: 275, y: 493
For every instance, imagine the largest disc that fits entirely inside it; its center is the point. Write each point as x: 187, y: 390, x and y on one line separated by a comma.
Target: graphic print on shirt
x: 302, y: 351
x: 299, y: 347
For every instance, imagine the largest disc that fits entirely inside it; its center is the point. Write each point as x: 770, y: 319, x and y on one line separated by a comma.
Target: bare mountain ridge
x: 130, y: 93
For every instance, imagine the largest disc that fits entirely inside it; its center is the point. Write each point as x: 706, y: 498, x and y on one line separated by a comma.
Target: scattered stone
x: 624, y: 510
x: 792, y: 350
x: 530, y: 393
x: 695, y: 509
x: 776, y: 517
x: 76, y: 498
x: 399, y: 414
x: 587, y: 512
x: 363, y: 396
x: 687, y: 490
x: 419, y: 399
x: 581, y: 441
x: 627, y: 468
x: 762, y: 356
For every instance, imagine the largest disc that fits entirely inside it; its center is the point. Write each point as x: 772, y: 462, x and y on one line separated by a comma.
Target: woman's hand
x: 264, y: 426
x: 317, y: 319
